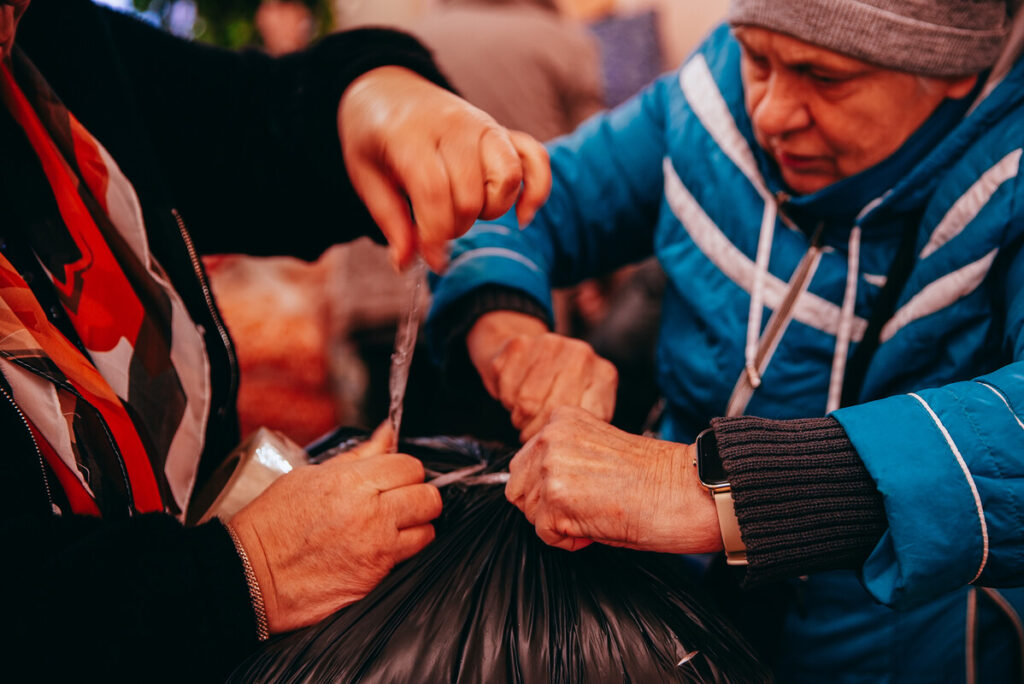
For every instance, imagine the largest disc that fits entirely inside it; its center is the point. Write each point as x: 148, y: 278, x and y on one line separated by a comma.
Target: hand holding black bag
x: 488, y: 601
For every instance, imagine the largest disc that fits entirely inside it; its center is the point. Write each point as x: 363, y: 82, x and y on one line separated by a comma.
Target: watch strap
x: 735, y: 549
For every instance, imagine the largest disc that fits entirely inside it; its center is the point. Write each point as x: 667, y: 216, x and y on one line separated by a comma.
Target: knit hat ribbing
x: 927, y: 37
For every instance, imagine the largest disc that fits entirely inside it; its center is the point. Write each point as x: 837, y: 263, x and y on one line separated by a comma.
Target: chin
x: 806, y: 184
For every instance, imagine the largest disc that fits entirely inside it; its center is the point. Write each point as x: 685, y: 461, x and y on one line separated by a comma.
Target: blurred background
x: 314, y: 340
x: 231, y: 23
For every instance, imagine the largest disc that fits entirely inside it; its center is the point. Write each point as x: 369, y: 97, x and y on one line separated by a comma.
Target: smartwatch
x: 711, y: 474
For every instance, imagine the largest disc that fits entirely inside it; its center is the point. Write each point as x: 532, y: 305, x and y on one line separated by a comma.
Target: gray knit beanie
x: 927, y: 37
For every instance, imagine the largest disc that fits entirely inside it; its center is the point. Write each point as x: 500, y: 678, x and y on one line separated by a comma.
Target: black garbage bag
x: 488, y: 601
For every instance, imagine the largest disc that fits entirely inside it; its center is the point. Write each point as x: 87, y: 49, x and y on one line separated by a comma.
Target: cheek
x: 753, y: 96
x: 849, y: 139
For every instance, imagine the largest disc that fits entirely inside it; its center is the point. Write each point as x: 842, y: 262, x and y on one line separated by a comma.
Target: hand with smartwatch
x: 581, y: 480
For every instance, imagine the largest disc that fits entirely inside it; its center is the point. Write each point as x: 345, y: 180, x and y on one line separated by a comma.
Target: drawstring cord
x: 764, y: 250
x: 846, y: 316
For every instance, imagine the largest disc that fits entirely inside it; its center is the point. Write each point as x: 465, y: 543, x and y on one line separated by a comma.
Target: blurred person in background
x: 548, y: 76
x: 284, y: 26
x: 125, y: 154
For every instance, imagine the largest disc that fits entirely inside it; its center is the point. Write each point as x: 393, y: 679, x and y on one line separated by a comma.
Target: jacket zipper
x: 69, y: 388
x: 39, y: 453
x: 208, y: 296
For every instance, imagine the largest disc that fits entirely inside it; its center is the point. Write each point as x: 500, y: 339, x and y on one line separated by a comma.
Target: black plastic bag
x: 488, y: 601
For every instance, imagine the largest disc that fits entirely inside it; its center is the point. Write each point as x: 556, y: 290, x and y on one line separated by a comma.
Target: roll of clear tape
x: 245, y: 474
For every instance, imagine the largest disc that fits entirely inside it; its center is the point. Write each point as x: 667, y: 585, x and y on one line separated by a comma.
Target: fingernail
x: 437, y: 257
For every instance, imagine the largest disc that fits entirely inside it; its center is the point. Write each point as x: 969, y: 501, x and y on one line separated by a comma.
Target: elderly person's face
x: 10, y: 13
x: 823, y: 116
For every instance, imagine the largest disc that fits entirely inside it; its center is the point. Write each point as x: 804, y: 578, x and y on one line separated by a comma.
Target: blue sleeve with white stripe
x: 607, y: 187
x: 949, y: 463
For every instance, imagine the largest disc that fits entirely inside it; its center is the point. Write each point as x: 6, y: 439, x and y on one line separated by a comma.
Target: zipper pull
x: 753, y: 376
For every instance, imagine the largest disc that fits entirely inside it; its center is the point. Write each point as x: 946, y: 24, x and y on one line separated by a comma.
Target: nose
x: 782, y: 108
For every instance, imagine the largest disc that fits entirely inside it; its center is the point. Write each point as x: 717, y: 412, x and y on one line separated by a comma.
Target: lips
x: 799, y: 162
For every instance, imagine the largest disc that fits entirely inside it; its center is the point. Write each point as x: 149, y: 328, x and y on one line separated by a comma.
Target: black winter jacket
x: 228, y: 152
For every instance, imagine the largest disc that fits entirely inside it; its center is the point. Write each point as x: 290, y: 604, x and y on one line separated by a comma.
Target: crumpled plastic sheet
x: 488, y: 601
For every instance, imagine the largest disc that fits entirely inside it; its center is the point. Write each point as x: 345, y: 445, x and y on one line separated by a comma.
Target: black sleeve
x: 447, y: 333
x: 249, y: 144
x: 137, y: 600
x: 803, y: 498
x: 246, y: 146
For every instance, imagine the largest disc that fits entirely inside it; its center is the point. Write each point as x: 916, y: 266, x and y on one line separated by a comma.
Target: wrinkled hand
x: 406, y: 140
x: 322, y: 536
x: 532, y: 371
x: 581, y: 480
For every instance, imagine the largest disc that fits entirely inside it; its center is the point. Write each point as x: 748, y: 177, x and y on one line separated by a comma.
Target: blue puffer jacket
x: 761, y: 280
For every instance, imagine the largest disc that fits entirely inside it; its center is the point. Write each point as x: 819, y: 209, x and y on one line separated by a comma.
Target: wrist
x: 258, y: 577
x: 713, y: 477
x: 491, y: 332
x: 252, y: 581
x: 679, y: 516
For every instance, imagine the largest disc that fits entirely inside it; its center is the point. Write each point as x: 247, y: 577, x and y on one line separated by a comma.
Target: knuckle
x: 434, y: 192
x: 513, y: 347
x: 560, y: 414
x: 530, y: 400
x: 468, y: 207
x: 608, y: 371
x: 555, y: 489
x: 509, y: 181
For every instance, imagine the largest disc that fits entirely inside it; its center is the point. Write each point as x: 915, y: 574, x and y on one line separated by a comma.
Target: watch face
x: 709, y: 464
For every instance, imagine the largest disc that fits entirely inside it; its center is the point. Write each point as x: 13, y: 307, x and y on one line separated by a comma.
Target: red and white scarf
x: 121, y: 425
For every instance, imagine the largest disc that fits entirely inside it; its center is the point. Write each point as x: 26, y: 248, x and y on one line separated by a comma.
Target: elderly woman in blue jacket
x: 832, y: 189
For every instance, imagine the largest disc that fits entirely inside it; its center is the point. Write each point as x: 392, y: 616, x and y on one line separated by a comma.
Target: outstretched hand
x: 407, y: 141
x: 582, y: 480
x: 322, y: 536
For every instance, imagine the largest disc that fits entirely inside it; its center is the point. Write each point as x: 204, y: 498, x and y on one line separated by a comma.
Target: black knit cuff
x: 804, y: 499
x: 448, y: 330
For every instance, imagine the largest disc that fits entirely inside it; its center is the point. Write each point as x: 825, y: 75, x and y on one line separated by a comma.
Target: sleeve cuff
x: 804, y: 499
x: 454, y: 323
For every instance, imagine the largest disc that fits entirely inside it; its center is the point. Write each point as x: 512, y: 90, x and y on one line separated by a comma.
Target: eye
x: 826, y: 79
x: 757, y: 63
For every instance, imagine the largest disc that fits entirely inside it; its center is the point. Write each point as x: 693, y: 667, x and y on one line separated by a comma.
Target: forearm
x: 804, y: 500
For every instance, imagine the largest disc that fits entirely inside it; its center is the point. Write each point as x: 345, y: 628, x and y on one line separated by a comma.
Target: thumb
x: 382, y: 441
x: 383, y: 438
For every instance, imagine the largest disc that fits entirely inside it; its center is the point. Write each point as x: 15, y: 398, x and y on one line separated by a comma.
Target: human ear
x: 960, y: 86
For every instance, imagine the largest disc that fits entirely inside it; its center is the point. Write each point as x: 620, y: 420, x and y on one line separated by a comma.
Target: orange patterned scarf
x: 120, y: 420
